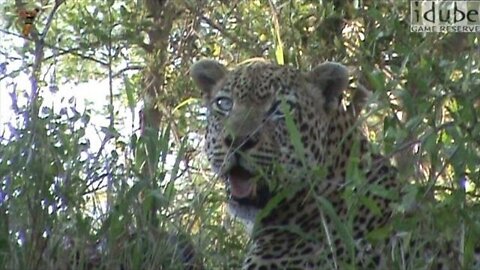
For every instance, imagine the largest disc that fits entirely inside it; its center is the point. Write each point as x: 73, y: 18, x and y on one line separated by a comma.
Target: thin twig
x: 111, y: 107
x: 121, y: 71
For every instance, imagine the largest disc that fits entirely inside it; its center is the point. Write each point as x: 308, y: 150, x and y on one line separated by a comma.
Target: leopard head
x: 265, y: 122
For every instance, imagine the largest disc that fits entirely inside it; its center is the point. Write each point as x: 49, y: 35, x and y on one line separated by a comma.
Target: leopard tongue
x: 240, y: 183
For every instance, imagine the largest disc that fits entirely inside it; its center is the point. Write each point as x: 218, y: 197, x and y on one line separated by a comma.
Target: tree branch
x: 58, y: 3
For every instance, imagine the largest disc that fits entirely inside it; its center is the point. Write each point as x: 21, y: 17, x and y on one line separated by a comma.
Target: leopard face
x: 268, y: 125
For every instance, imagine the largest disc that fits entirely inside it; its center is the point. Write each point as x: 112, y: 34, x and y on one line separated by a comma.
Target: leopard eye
x: 279, y: 108
x: 223, y: 104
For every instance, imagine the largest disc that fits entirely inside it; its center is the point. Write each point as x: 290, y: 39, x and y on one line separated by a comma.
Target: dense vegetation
x: 117, y: 181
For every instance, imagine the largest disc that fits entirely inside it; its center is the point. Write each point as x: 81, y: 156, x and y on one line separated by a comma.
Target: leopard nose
x: 240, y: 143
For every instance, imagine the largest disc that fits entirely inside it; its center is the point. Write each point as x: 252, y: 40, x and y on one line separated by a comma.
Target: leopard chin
x: 247, y: 214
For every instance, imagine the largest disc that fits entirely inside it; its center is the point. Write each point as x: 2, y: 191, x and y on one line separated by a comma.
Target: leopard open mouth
x: 245, y: 189
x: 241, y: 182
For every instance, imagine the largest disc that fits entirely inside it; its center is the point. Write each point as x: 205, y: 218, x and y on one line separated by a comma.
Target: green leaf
x: 130, y: 91
x: 293, y: 131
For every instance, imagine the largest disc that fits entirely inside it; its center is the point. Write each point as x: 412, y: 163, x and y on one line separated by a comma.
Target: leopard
x: 298, y: 170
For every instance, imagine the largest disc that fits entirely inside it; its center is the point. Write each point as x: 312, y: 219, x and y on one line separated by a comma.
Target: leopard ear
x: 331, y: 79
x: 206, y: 74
